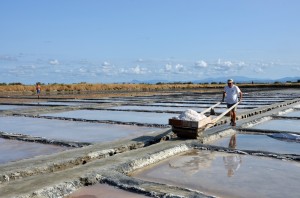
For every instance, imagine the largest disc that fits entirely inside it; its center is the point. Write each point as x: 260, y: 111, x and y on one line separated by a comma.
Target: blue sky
x: 106, y: 41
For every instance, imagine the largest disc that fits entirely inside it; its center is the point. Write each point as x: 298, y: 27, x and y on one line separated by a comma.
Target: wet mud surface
x: 127, y: 144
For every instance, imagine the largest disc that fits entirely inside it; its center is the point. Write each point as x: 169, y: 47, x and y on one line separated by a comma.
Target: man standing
x: 231, y: 93
x: 38, y: 89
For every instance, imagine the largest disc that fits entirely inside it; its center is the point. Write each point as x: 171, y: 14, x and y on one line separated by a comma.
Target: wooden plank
x: 209, y: 108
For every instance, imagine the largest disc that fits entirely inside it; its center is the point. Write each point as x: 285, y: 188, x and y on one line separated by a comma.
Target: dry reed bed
x: 131, y: 87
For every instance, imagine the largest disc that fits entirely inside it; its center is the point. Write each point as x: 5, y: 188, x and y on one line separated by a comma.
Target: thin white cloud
x: 54, y: 62
x: 201, y: 64
x: 106, y: 68
x: 241, y: 63
x: 236, y: 67
x: 218, y: 68
x: 263, y: 64
x: 138, y: 70
x: 7, y: 58
x: 82, y: 70
x: 179, y: 68
x: 227, y: 63
x: 258, y: 70
x: 297, y: 69
x: 105, y: 63
x: 168, y: 67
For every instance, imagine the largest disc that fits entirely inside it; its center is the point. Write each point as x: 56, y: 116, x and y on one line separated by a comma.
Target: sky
x: 117, y: 41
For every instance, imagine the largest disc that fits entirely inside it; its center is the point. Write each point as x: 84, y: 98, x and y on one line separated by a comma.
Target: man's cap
x: 230, y: 80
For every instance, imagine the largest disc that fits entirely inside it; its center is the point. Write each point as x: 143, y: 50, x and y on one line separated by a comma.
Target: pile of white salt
x: 190, y: 115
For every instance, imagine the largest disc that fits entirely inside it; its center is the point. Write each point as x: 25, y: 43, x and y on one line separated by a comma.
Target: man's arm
x: 224, y: 94
x: 241, y: 96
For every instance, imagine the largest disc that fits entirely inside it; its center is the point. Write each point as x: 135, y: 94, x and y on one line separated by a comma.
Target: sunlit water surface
x: 227, y: 175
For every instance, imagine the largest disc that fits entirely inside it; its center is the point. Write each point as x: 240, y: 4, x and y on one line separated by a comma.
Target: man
x: 38, y: 89
x: 231, y: 93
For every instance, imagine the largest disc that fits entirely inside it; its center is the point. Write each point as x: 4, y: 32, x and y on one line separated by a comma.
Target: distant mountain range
x: 238, y: 79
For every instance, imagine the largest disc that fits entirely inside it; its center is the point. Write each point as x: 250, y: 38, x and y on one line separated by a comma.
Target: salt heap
x: 190, y: 115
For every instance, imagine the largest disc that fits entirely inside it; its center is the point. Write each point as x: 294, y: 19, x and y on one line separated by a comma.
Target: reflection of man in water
x: 192, y: 162
x: 232, y: 162
x: 232, y: 142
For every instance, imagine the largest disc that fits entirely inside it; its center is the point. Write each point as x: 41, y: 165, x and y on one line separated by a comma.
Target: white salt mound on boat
x: 190, y: 115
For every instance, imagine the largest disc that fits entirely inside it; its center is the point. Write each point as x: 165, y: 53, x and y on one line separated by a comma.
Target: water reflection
x: 232, y: 142
x: 232, y: 162
x: 261, y: 143
x: 269, y: 177
x: 192, y: 162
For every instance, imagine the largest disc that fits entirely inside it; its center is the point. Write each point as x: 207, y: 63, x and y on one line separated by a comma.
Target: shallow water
x: 292, y: 114
x: 227, y: 175
x: 60, y: 103
x: 181, y: 104
x: 154, y: 108
x: 103, y: 191
x: 260, y: 143
x: 13, y: 150
x: 13, y: 107
x: 204, y: 105
x: 279, y: 124
x: 122, y: 116
x: 70, y: 130
x: 179, y: 109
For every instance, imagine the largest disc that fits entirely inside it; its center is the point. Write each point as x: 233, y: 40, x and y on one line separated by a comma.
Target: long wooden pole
x: 209, y: 108
x: 224, y: 113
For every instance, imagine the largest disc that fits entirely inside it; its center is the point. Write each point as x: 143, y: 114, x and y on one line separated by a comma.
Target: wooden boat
x: 194, y: 129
